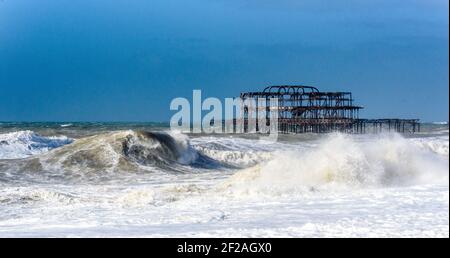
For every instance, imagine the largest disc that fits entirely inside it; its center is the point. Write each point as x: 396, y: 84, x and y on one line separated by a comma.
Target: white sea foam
x: 439, y: 145
x: 235, y: 151
x: 338, y: 185
x: 22, y: 144
x: 440, y: 123
x: 341, y: 161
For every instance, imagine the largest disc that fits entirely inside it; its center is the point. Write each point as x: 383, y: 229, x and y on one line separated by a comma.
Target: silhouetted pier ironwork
x: 303, y: 109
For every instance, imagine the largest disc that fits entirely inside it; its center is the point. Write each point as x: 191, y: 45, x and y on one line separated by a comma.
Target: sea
x: 73, y: 179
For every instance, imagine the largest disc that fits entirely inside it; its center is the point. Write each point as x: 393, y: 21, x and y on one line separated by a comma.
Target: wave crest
x: 122, y: 151
x: 22, y: 144
x: 342, y: 161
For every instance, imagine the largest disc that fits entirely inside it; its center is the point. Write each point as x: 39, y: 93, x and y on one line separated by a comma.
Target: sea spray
x: 118, y: 182
x: 23, y: 144
x: 342, y: 161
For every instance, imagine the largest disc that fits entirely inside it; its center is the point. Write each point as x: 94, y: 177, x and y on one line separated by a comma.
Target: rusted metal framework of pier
x: 389, y: 124
x: 303, y: 109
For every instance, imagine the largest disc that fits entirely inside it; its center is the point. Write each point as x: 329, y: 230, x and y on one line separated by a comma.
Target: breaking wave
x: 125, y: 151
x: 240, y: 153
x: 438, y: 145
x: 121, y: 151
x: 336, y: 160
x: 129, y: 151
x: 344, y: 161
x: 23, y: 144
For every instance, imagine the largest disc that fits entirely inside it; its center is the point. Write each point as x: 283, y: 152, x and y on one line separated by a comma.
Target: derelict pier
x: 303, y: 109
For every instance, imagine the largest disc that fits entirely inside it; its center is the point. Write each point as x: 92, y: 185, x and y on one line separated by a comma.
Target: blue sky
x: 126, y: 60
